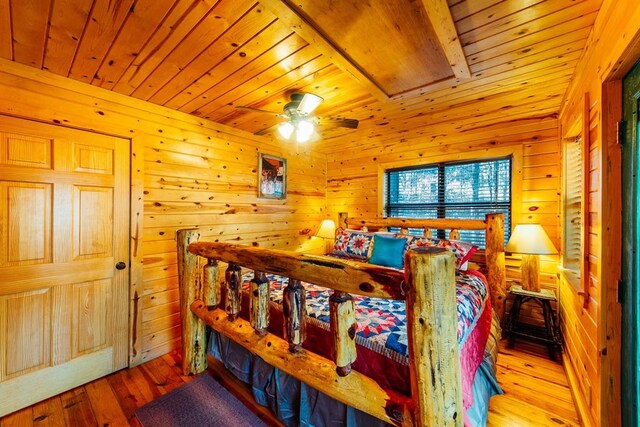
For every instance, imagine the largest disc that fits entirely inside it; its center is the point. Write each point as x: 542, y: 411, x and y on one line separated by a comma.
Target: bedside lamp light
x: 530, y: 240
x: 326, y: 231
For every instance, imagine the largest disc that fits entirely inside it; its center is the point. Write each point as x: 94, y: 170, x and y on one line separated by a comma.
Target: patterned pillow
x: 462, y: 250
x: 409, y: 239
x: 353, y: 244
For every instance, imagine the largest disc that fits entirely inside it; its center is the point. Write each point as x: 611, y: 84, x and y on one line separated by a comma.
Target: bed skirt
x: 296, y: 404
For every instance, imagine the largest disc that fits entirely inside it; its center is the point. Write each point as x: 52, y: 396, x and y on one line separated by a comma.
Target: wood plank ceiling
x: 395, y: 66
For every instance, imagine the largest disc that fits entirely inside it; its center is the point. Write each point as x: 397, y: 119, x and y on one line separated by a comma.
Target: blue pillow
x: 388, y: 251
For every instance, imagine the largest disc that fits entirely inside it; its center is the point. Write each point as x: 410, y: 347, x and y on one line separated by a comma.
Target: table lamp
x: 530, y: 240
x: 327, y: 231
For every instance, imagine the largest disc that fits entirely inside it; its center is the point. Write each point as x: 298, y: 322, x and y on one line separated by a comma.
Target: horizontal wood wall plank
x: 193, y: 173
x: 353, y: 180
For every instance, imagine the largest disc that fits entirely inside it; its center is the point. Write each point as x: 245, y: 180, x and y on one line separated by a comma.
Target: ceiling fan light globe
x: 304, y: 130
x: 286, y: 130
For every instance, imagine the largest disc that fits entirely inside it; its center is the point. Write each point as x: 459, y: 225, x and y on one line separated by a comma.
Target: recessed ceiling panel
x: 393, y: 43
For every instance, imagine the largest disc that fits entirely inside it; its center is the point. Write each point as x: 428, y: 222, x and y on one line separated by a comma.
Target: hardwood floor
x: 536, y: 390
x: 536, y: 393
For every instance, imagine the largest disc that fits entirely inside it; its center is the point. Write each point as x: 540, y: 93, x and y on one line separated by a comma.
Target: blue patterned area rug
x: 201, y: 402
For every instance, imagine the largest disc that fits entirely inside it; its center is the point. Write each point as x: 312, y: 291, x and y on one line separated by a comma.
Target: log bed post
x: 494, y: 254
x: 194, y: 357
x: 342, y: 219
x: 211, y: 284
x: 259, y: 302
x: 432, y: 329
x: 343, y: 330
x: 294, y: 308
x: 233, y: 298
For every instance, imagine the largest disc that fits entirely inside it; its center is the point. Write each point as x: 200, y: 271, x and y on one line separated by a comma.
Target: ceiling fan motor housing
x: 291, y: 108
x: 298, y: 112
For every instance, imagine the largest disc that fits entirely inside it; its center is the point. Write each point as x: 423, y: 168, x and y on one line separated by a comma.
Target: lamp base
x: 530, y: 271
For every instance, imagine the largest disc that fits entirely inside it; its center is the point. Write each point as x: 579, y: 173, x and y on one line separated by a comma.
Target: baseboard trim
x: 578, y: 398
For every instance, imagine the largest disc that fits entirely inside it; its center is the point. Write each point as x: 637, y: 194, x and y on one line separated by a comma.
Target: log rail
x: 427, y: 285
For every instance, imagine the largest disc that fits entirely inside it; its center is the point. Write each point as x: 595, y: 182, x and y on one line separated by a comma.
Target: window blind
x: 572, y: 204
x: 452, y: 190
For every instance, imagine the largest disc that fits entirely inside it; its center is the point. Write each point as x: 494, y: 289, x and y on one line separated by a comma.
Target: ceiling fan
x: 299, y: 124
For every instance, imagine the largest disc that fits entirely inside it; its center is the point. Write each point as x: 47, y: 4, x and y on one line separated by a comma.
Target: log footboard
x: 356, y: 389
x: 427, y: 286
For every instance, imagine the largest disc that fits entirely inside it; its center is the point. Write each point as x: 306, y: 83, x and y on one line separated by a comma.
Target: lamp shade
x: 530, y: 239
x: 327, y: 229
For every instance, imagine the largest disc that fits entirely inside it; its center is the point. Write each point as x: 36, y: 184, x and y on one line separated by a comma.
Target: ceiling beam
x: 445, y: 29
x: 293, y: 17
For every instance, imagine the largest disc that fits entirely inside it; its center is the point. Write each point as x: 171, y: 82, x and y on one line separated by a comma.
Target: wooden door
x: 64, y: 217
x: 630, y: 295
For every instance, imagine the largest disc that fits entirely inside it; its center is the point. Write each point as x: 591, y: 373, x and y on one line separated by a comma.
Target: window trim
x: 514, y: 151
x: 580, y: 128
x: 440, y: 205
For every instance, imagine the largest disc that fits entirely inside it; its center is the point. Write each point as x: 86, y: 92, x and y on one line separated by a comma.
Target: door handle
x: 121, y: 266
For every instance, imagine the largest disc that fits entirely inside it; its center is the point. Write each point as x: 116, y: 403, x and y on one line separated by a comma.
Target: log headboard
x: 493, y: 224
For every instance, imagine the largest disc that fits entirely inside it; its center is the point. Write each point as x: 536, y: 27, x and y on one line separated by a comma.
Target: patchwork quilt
x: 382, y: 322
x: 382, y: 330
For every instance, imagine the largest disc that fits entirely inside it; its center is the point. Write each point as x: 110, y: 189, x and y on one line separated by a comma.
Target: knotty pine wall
x: 186, y: 172
x: 354, y: 174
x: 592, y: 330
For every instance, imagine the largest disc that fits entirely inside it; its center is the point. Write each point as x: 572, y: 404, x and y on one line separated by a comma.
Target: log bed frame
x: 427, y: 285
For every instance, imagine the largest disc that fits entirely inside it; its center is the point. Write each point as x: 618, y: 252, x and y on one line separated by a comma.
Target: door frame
x: 613, y: 403
x: 106, y: 351
x: 629, y: 264
x: 136, y: 233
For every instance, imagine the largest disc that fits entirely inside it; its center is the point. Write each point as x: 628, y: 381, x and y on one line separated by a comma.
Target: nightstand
x: 548, y: 334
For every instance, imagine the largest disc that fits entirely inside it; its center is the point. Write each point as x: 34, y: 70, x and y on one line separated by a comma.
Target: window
x: 572, y: 205
x: 452, y: 190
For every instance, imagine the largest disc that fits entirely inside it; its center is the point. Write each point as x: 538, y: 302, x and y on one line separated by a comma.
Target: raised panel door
x: 64, y: 216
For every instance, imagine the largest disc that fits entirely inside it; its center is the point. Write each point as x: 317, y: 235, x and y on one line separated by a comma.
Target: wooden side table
x: 549, y: 334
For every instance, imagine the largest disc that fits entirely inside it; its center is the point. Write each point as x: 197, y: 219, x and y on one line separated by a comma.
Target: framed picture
x: 272, y: 177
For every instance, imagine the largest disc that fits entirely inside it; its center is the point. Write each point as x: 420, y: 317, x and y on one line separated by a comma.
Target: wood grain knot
x: 352, y: 331
x: 366, y: 287
x: 394, y: 412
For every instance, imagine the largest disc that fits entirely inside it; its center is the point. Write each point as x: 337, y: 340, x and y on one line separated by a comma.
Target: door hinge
x: 620, y: 292
x: 620, y: 128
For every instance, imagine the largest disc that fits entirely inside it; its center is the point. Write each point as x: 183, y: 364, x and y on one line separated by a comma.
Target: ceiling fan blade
x: 257, y: 110
x: 337, y: 122
x: 308, y: 103
x: 267, y: 130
